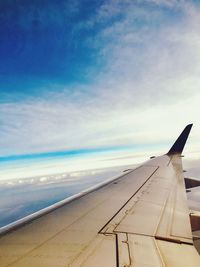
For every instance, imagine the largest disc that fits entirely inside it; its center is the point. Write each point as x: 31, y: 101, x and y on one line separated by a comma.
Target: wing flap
x: 162, y: 201
x: 140, y: 250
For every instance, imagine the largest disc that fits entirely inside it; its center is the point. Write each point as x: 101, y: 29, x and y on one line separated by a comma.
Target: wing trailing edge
x: 179, y: 144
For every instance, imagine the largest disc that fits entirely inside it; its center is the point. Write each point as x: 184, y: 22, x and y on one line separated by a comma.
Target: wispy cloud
x: 146, y: 81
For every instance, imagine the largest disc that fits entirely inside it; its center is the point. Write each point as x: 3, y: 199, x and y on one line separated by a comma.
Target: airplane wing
x: 139, y: 219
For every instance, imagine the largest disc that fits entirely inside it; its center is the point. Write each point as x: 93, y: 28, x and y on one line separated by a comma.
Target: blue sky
x: 80, y: 75
x: 46, y: 43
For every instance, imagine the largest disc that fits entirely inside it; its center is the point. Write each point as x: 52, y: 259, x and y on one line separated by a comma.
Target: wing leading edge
x: 139, y: 219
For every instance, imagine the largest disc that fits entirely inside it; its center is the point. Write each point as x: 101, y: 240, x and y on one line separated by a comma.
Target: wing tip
x: 179, y: 144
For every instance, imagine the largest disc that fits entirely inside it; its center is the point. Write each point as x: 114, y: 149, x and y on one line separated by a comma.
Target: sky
x: 89, y: 88
x: 88, y: 76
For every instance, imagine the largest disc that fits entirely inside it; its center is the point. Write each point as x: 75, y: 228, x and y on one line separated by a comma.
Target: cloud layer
x: 145, y: 81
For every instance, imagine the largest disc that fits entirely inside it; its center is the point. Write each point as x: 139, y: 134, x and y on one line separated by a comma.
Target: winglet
x: 178, y: 146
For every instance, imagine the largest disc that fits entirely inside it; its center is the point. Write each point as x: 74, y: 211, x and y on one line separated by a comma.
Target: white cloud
x: 150, y: 84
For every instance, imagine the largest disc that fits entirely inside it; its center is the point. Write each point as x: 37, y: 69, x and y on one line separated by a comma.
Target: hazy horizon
x: 33, y: 189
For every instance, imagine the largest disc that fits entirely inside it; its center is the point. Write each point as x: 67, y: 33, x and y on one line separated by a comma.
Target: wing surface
x: 140, y: 219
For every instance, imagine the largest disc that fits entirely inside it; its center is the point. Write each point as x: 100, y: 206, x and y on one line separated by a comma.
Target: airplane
x: 139, y: 219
